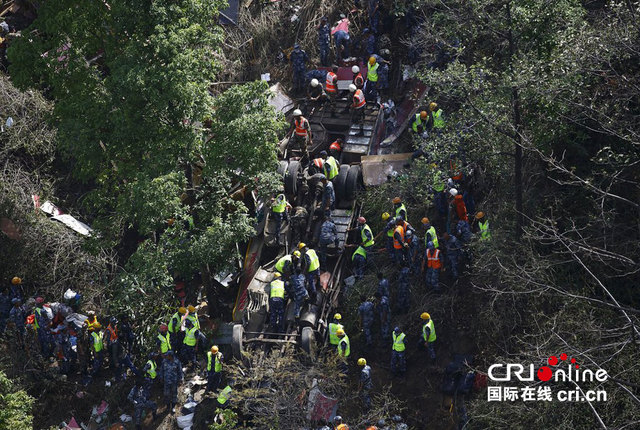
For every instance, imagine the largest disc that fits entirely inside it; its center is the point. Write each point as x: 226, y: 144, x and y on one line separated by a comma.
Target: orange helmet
x: 425, y: 220
x: 423, y: 115
x: 396, y: 200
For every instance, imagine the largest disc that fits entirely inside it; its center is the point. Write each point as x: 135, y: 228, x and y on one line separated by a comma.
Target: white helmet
x: 352, y: 88
x: 355, y: 69
x: 314, y: 82
x: 453, y: 192
x: 297, y: 112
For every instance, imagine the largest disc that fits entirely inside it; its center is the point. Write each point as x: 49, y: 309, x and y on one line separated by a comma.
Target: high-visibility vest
x: 330, y: 83
x: 97, y: 341
x: 333, y: 329
x: 433, y: 259
x: 438, y: 183
x: 224, y: 395
x: 432, y: 331
x: 372, y: 72
x: 398, y: 342
x: 438, y: 121
x: 416, y: 123
x: 38, y: 311
x: 194, y: 319
x: 456, y: 174
x: 359, y: 251
x: 280, y: 264
x: 152, y: 369
x: 358, y: 81
x: 217, y: 365
x: 113, y: 333
x: 165, y: 342
x: 280, y: 204
x: 314, y: 261
x: 390, y: 230
x: 347, y: 351
x: 401, y: 208
x: 365, y: 241
x: 335, y: 146
x: 190, y: 337
x: 175, y: 322
x: 434, y: 237
x: 333, y: 165
x: 484, y: 230
x: 396, y: 244
x: 277, y: 289
x: 301, y: 126
x: 358, y: 99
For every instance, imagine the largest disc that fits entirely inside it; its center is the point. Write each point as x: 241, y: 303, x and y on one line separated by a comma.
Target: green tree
x: 15, y: 406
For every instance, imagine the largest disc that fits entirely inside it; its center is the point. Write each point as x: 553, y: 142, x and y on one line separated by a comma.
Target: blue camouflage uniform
x: 454, y: 250
x: 366, y: 312
x: 17, y: 315
x: 404, y: 290
x: 298, y: 59
x: 374, y: 15
x: 299, y: 292
x: 328, y: 197
x: 139, y: 396
x: 359, y: 264
x: 383, y: 287
x: 42, y: 319
x: 464, y: 232
x: 324, y: 38
x: 366, y: 386
x: 171, y: 372
x: 383, y: 76
x: 328, y: 236
x: 384, y: 309
x: 391, y: 225
x: 414, y: 254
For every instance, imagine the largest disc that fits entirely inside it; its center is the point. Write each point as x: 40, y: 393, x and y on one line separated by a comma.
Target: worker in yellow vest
x: 483, y: 226
x: 224, y: 397
x: 343, y: 350
x: 175, y: 329
x: 330, y: 167
x: 436, y: 118
x: 214, y: 368
x: 310, y: 267
x: 163, y: 340
x: 150, y: 370
x: 371, y: 86
x: 398, y: 361
x: 193, y: 316
x: 97, y: 347
x: 280, y: 212
x: 333, y: 328
x: 428, y: 335
x: 190, y: 342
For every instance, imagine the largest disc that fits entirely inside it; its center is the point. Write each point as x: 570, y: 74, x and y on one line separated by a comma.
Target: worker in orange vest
x: 433, y: 261
x: 357, y: 108
x: 301, y: 135
x: 399, y: 244
x: 331, y: 88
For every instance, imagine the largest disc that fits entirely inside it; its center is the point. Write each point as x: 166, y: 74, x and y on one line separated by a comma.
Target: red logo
x: 545, y: 373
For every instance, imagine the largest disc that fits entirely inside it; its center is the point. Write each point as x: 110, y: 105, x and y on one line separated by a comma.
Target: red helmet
x: 39, y: 300
x: 318, y: 162
x: 163, y: 327
x: 335, y: 146
x: 362, y: 220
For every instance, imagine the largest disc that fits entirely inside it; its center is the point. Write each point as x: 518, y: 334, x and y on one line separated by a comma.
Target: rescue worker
x: 335, y: 149
x: 366, y: 235
x: 150, y: 370
x: 434, y: 265
x: 383, y: 73
x: 459, y: 206
x: 463, y: 231
x: 328, y: 236
x: 428, y: 335
x: 413, y: 251
x: 298, y: 59
x: 315, y: 94
x: 384, y: 311
x: 300, y: 293
x: 439, y: 196
x: 420, y: 120
x: 163, y: 340
x: 388, y: 229
x: 324, y: 38
x: 17, y: 317
x: 344, y: 350
x: 453, y: 250
x: 372, y: 79
x: 333, y: 328
x: 280, y: 212
x: 16, y: 288
x: 430, y: 234
x: 171, y: 371
x: 331, y: 89
x: 331, y: 167
x: 301, y: 135
x: 190, y: 342
x: 365, y: 310
x: 357, y: 108
x: 398, y: 362
x: 113, y: 344
x: 399, y: 209
x: 91, y: 319
x: 193, y: 316
x: 97, y: 347
x: 383, y: 284
x: 404, y: 290
x: 483, y: 226
x: 340, y: 32
x: 436, y: 118
x: 338, y: 424
x: 277, y: 303
x: 41, y: 324
x: 126, y: 337
x: 359, y: 262
x: 357, y: 80
x: 310, y: 266
x: 298, y: 223
x: 140, y: 398
x: 214, y: 368
x: 175, y: 329
x: 224, y: 397
x: 288, y: 264
x: 328, y: 196
x: 365, y: 385
x: 399, y: 244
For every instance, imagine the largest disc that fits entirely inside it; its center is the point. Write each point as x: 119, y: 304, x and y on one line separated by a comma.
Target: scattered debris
x: 56, y: 214
x: 320, y: 406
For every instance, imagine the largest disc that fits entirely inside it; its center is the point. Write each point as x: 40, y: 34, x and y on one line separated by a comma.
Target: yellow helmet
x: 16, y: 281
x: 301, y: 245
x: 191, y: 309
x: 433, y: 106
x: 214, y: 349
x: 182, y: 310
x: 337, y: 317
x: 276, y: 274
x: 340, y: 332
x: 296, y: 254
x: 372, y: 60
x: 480, y: 215
x: 396, y: 200
x: 423, y: 114
x: 425, y: 316
x: 362, y: 362
x: 385, y: 216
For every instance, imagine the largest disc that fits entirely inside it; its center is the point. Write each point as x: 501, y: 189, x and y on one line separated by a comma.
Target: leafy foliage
x: 15, y: 406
